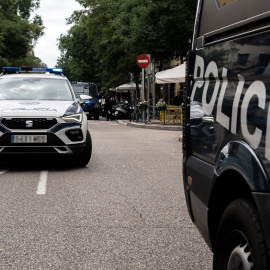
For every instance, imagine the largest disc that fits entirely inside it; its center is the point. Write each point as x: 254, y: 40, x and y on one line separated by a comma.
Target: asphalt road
x: 125, y: 210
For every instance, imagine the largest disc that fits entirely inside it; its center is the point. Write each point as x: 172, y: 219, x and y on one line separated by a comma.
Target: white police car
x: 39, y: 114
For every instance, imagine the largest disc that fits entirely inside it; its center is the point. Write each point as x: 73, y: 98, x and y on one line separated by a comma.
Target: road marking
x: 42, y: 184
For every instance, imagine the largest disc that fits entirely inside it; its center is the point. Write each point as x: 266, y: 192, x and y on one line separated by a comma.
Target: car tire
x: 84, y: 157
x: 240, y: 242
x: 96, y: 117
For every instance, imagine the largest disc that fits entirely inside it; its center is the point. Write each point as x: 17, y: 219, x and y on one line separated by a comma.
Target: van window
x: 219, y: 16
x: 223, y: 3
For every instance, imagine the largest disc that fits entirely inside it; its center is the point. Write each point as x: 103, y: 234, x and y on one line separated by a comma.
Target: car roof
x: 34, y: 75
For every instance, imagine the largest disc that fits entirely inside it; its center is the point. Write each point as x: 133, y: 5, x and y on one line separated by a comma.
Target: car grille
x: 34, y: 123
x: 52, y: 140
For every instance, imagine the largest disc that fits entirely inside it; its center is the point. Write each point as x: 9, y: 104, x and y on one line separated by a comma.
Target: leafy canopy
x: 18, y: 34
x: 117, y: 31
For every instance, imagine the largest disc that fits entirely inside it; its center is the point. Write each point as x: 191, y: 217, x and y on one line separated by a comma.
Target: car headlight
x: 73, y: 118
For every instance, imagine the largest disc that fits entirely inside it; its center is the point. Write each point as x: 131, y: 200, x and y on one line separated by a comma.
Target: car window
x: 85, y: 90
x: 30, y: 88
x: 80, y: 90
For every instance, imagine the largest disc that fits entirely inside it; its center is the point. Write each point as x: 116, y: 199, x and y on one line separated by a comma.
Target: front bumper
x: 61, y: 138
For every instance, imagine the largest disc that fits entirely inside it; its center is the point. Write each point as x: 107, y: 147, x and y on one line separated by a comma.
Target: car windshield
x: 85, y: 90
x: 33, y: 88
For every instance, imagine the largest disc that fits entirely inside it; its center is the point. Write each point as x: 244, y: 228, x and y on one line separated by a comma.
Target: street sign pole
x: 142, y: 92
x: 143, y: 61
x: 148, y: 88
x: 143, y: 115
x: 154, y: 90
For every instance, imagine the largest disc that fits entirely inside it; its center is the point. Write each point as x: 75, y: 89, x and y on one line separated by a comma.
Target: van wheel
x: 240, y: 242
x: 83, y: 158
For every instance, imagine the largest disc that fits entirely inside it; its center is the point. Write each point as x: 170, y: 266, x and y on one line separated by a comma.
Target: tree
x: 77, y: 57
x: 29, y: 61
x: 17, y: 34
x: 120, y: 30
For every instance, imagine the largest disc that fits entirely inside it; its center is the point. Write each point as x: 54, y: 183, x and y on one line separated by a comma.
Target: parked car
x: 90, y: 106
x: 39, y: 114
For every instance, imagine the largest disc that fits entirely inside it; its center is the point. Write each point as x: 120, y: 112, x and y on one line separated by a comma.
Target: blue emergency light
x: 54, y: 70
x: 30, y: 69
x: 11, y: 69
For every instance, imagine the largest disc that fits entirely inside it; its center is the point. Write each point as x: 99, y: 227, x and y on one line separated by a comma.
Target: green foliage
x: 77, y: 58
x: 29, y: 61
x: 17, y: 33
x: 117, y: 31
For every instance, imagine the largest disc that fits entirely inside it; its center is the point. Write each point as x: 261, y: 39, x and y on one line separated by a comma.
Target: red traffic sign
x: 143, y: 61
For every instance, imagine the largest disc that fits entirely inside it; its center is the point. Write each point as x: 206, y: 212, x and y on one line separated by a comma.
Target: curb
x: 151, y: 126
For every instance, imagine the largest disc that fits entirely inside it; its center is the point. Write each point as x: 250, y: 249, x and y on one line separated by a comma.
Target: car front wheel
x: 240, y: 242
x: 84, y: 157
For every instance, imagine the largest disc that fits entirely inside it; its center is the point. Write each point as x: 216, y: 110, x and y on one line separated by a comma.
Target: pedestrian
x: 107, y: 106
x: 178, y: 100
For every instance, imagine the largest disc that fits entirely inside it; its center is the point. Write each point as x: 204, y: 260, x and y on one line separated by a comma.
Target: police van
x: 91, y: 106
x: 226, y: 131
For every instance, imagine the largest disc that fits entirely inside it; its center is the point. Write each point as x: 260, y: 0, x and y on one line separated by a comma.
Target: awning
x: 173, y: 75
x: 126, y: 87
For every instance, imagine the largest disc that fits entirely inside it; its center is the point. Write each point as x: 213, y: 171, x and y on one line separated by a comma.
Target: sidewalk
x: 154, y: 124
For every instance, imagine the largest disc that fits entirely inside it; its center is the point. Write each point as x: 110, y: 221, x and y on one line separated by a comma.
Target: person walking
x: 107, y: 106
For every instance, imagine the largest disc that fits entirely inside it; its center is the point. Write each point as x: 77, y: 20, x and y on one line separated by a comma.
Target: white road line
x: 42, y: 184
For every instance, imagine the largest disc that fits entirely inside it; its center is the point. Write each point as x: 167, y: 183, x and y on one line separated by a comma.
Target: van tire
x: 240, y: 237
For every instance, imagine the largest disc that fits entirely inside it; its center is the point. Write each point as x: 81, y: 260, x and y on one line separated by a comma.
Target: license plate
x: 29, y: 138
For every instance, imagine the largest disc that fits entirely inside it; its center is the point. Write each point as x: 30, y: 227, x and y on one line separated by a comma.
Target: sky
x: 54, y: 14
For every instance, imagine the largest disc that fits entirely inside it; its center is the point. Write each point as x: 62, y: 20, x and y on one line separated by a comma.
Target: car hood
x: 38, y: 108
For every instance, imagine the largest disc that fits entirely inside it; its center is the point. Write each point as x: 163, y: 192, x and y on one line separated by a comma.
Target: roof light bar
x: 11, y: 69
x: 82, y: 83
x: 55, y: 70
x: 26, y: 69
x: 39, y: 70
x: 30, y: 69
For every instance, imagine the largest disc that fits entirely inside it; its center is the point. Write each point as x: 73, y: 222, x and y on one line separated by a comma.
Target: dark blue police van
x: 92, y: 107
x: 226, y: 131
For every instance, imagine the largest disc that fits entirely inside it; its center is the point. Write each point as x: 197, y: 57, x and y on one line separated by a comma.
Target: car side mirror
x: 84, y: 98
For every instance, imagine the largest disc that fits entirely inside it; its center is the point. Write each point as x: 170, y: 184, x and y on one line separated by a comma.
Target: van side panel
x: 216, y: 15
x: 230, y: 97
x: 226, y: 130
x: 199, y: 193
x: 240, y: 157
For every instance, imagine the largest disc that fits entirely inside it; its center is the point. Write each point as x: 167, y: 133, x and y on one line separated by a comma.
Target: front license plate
x: 29, y: 138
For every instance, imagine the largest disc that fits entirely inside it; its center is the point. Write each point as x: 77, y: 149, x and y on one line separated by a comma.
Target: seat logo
x: 29, y: 123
